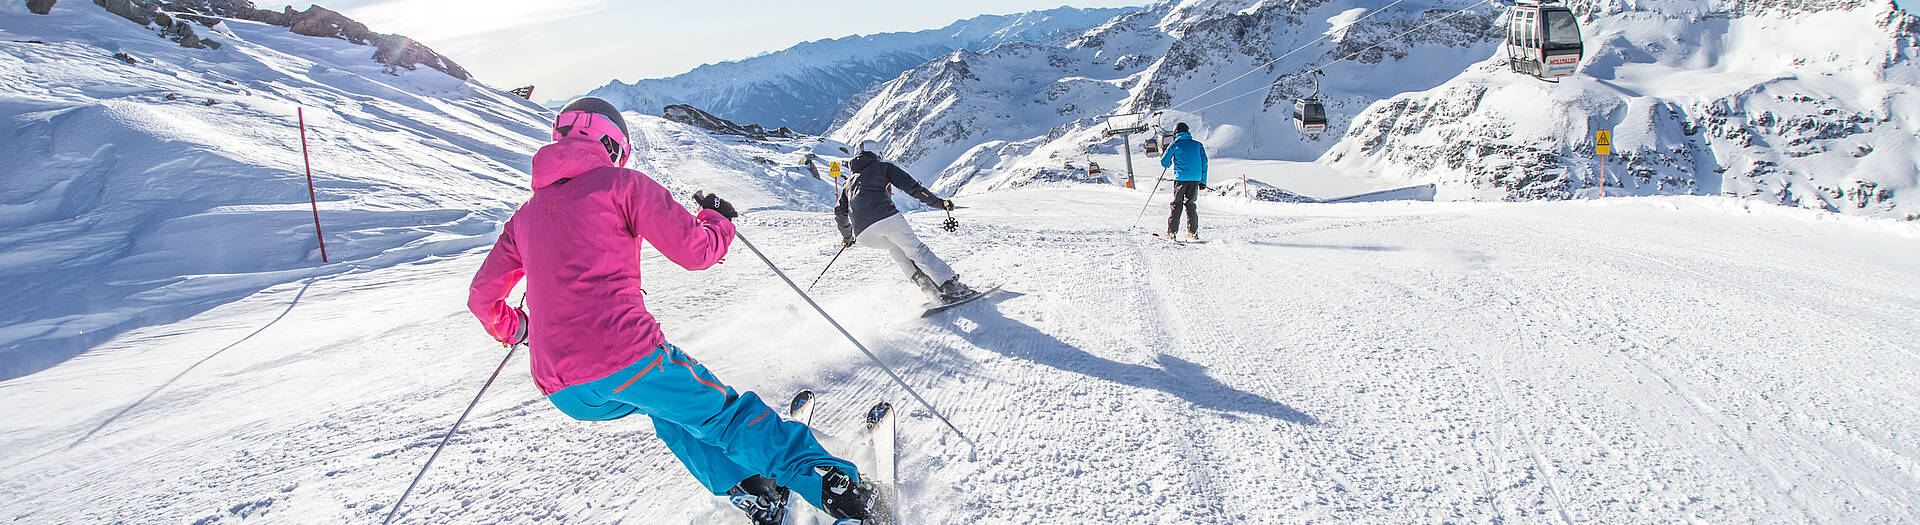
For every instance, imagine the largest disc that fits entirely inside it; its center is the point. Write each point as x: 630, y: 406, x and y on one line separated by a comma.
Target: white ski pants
x: 896, y: 237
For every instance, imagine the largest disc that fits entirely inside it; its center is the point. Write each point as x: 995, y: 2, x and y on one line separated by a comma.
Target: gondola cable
x: 1344, y: 58
x: 1329, y: 33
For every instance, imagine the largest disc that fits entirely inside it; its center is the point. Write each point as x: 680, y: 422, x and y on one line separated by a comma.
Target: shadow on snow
x: 1179, y: 377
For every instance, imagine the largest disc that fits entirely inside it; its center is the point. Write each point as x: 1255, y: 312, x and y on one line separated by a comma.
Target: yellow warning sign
x: 836, y: 169
x: 1603, y: 142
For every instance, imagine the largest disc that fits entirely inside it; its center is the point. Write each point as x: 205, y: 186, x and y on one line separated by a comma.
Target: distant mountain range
x: 804, y: 87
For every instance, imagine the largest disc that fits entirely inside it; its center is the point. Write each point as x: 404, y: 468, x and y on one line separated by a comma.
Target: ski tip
x: 800, y: 400
x: 878, y: 412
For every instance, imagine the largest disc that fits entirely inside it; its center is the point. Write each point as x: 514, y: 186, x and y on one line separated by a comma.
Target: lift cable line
x: 1344, y: 58
x: 1288, y: 54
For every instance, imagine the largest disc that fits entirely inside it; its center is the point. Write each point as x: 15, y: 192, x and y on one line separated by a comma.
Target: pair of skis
x: 1171, y: 239
x: 934, y: 308
x: 880, y: 436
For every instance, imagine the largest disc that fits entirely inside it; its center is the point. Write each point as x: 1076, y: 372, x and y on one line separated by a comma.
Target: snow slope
x: 1625, y: 360
x: 1807, y: 104
x: 804, y: 87
x: 122, y: 208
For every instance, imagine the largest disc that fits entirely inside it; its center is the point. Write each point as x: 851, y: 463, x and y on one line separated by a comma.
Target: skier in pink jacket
x: 602, y: 356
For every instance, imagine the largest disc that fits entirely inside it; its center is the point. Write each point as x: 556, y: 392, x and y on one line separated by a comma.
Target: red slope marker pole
x: 302, y: 114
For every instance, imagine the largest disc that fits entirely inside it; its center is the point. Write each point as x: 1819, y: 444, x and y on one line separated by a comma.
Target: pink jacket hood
x: 567, y: 159
x: 577, y: 243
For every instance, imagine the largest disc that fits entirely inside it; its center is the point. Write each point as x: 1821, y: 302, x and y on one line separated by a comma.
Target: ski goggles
x: 594, y: 126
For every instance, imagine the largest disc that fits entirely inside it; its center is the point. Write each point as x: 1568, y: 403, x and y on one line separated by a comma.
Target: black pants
x: 1184, y: 195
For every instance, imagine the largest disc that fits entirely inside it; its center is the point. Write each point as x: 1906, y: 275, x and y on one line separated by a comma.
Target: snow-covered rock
x: 693, y: 116
x: 177, y: 19
x: 803, y: 87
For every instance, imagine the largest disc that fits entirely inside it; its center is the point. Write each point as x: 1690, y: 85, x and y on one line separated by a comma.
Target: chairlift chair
x: 1543, y: 39
x: 1152, y: 146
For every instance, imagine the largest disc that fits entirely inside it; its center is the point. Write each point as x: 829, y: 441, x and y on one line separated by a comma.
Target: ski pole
x: 856, y: 342
x: 823, y: 271
x: 1156, y: 189
x: 449, y: 436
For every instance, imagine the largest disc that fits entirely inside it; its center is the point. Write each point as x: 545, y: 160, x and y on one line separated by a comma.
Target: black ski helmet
x: 618, y: 148
x: 1180, y: 128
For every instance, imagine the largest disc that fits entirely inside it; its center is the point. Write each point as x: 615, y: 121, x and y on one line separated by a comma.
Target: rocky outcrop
x: 150, y: 12
x: 693, y: 116
x: 175, y: 19
x: 401, y: 52
x: 40, y: 7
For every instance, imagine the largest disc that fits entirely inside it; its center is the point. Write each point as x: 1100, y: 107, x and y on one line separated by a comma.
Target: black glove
x: 519, y: 333
x: 713, y: 202
x: 846, y: 243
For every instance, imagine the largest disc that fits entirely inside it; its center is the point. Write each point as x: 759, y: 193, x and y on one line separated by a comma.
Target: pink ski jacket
x: 577, y: 242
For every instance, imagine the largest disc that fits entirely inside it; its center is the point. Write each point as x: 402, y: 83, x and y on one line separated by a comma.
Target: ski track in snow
x: 1387, y: 362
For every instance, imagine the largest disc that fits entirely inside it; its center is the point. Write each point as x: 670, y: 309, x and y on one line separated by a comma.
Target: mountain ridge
x: 803, y: 87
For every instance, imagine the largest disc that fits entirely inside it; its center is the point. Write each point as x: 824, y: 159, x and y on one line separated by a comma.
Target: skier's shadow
x: 1184, y: 379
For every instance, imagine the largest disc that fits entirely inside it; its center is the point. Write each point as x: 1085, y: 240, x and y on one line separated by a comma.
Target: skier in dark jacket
x: 1189, y: 162
x: 865, y: 213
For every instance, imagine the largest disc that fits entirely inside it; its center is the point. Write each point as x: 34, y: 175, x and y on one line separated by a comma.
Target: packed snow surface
x: 1626, y: 360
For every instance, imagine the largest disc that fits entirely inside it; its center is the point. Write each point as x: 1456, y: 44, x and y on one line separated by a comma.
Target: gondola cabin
x: 1310, y: 116
x: 1543, y: 39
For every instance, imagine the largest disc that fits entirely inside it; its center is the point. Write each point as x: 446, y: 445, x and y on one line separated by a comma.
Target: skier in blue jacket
x: 1189, y: 162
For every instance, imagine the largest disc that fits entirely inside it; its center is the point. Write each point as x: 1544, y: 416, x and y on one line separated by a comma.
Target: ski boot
x: 1191, y: 237
x: 927, y: 285
x: 847, y: 501
x: 763, y: 501
x: 954, y: 290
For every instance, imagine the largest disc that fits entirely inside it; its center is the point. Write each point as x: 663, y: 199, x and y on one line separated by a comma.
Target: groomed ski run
x: 1618, y: 361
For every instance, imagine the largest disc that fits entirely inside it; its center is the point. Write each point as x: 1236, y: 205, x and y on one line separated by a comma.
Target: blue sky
x: 566, y: 47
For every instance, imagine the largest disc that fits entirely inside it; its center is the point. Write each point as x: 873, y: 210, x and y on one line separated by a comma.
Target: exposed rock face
x: 40, y: 7
x: 320, y: 21
x: 693, y: 116
x: 401, y: 52
x: 139, y: 12
x: 397, y: 52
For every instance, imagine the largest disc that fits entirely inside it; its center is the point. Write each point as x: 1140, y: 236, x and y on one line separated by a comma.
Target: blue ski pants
x: 723, y: 438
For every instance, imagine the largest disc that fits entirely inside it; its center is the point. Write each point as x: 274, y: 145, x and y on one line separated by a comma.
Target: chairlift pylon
x: 1543, y: 39
x: 1309, y: 115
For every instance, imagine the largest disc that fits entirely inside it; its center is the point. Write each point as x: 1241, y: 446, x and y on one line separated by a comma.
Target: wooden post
x: 311, y: 198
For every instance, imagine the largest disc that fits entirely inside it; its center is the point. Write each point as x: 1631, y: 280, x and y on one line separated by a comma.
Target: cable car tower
x: 1543, y: 39
x: 1126, y: 139
x: 1309, y: 115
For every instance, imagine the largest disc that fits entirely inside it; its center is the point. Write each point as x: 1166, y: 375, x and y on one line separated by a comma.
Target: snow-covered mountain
x: 803, y: 87
x: 145, y: 181
x: 1706, y: 96
x: 1016, y: 109
x: 1810, y: 104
